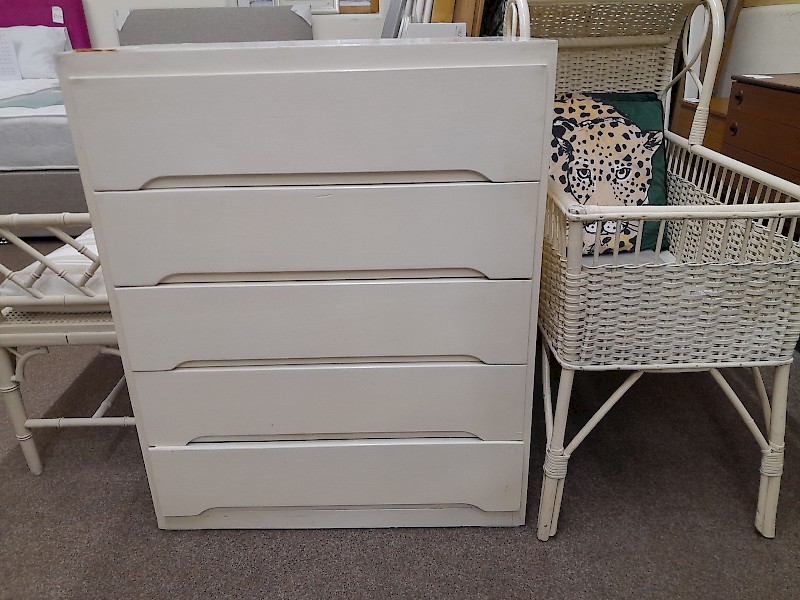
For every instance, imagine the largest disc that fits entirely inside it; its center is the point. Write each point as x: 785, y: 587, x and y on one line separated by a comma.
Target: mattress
x: 35, y: 139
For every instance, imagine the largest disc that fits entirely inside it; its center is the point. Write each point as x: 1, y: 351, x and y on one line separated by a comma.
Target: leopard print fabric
x: 602, y: 158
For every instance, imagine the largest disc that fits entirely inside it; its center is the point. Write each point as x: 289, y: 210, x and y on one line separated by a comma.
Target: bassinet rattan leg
x: 16, y: 412
x: 555, y: 463
x: 772, y: 459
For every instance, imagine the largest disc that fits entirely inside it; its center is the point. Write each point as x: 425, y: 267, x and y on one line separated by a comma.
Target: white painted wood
x: 265, y: 232
x: 167, y: 326
x: 329, y: 98
x: 316, y: 518
x: 291, y: 297
x: 318, y: 7
x: 321, y: 401
x: 350, y: 26
x: 338, y: 474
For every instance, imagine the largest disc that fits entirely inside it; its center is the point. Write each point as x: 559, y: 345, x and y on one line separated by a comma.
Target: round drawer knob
x: 739, y: 96
x: 734, y: 128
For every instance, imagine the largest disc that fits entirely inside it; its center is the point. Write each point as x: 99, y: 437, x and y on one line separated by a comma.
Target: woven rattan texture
x: 731, y: 297
x: 608, y: 19
x: 11, y: 317
x: 606, y: 60
x: 627, y: 316
x: 725, y: 240
x: 21, y: 328
x: 614, y: 69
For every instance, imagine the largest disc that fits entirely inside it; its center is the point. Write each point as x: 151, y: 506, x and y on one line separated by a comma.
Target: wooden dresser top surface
x: 788, y: 82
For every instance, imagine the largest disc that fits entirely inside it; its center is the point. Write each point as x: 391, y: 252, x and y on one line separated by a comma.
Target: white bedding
x: 35, y: 139
x: 30, y: 93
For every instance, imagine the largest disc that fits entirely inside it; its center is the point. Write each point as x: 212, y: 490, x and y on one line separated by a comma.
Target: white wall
x: 103, y: 30
x: 767, y: 40
x: 695, y: 39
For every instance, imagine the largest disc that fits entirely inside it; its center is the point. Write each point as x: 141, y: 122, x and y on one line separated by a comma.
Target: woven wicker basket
x: 730, y: 298
x: 608, y: 46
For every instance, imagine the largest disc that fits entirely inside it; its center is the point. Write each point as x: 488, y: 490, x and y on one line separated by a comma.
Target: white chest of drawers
x: 324, y: 260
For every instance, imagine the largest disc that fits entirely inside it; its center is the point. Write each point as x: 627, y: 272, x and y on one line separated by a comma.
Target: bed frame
x: 42, y: 191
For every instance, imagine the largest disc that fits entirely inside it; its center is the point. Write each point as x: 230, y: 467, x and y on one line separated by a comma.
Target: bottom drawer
x: 189, y: 480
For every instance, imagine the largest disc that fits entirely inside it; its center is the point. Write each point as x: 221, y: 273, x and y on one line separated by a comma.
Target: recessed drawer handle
x: 734, y: 128
x: 739, y: 96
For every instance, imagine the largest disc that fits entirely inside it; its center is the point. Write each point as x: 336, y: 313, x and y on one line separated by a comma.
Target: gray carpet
x: 659, y: 503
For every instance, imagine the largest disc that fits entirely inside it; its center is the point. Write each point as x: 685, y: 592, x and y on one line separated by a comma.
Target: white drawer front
x: 155, y: 117
x: 272, y: 233
x: 165, y: 327
x: 319, y: 401
x: 365, y: 473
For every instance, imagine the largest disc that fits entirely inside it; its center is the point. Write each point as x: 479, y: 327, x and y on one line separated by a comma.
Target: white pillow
x: 9, y: 67
x: 36, y: 47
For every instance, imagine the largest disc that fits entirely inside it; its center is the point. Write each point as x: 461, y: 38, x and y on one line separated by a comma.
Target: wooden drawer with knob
x: 763, y: 124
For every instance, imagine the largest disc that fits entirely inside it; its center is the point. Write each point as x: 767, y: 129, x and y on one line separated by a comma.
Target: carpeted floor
x: 659, y: 503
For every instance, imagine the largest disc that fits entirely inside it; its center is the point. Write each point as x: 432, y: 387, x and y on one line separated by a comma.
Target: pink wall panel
x: 40, y: 12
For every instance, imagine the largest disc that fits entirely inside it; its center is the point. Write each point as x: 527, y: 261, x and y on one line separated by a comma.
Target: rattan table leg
x: 555, y: 466
x: 546, y: 505
x: 557, y: 507
x: 772, y: 461
x: 16, y: 412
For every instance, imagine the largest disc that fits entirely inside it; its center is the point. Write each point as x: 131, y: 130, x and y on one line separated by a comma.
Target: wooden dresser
x: 324, y: 260
x: 763, y: 124
x: 715, y: 129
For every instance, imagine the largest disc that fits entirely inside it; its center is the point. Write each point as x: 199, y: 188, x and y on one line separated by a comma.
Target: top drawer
x: 776, y: 105
x: 753, y: 111
x: 268, y: 114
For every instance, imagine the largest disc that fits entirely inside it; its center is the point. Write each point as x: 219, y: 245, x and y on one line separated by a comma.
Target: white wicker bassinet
x: 724, y: 289
x: 727, y: 297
